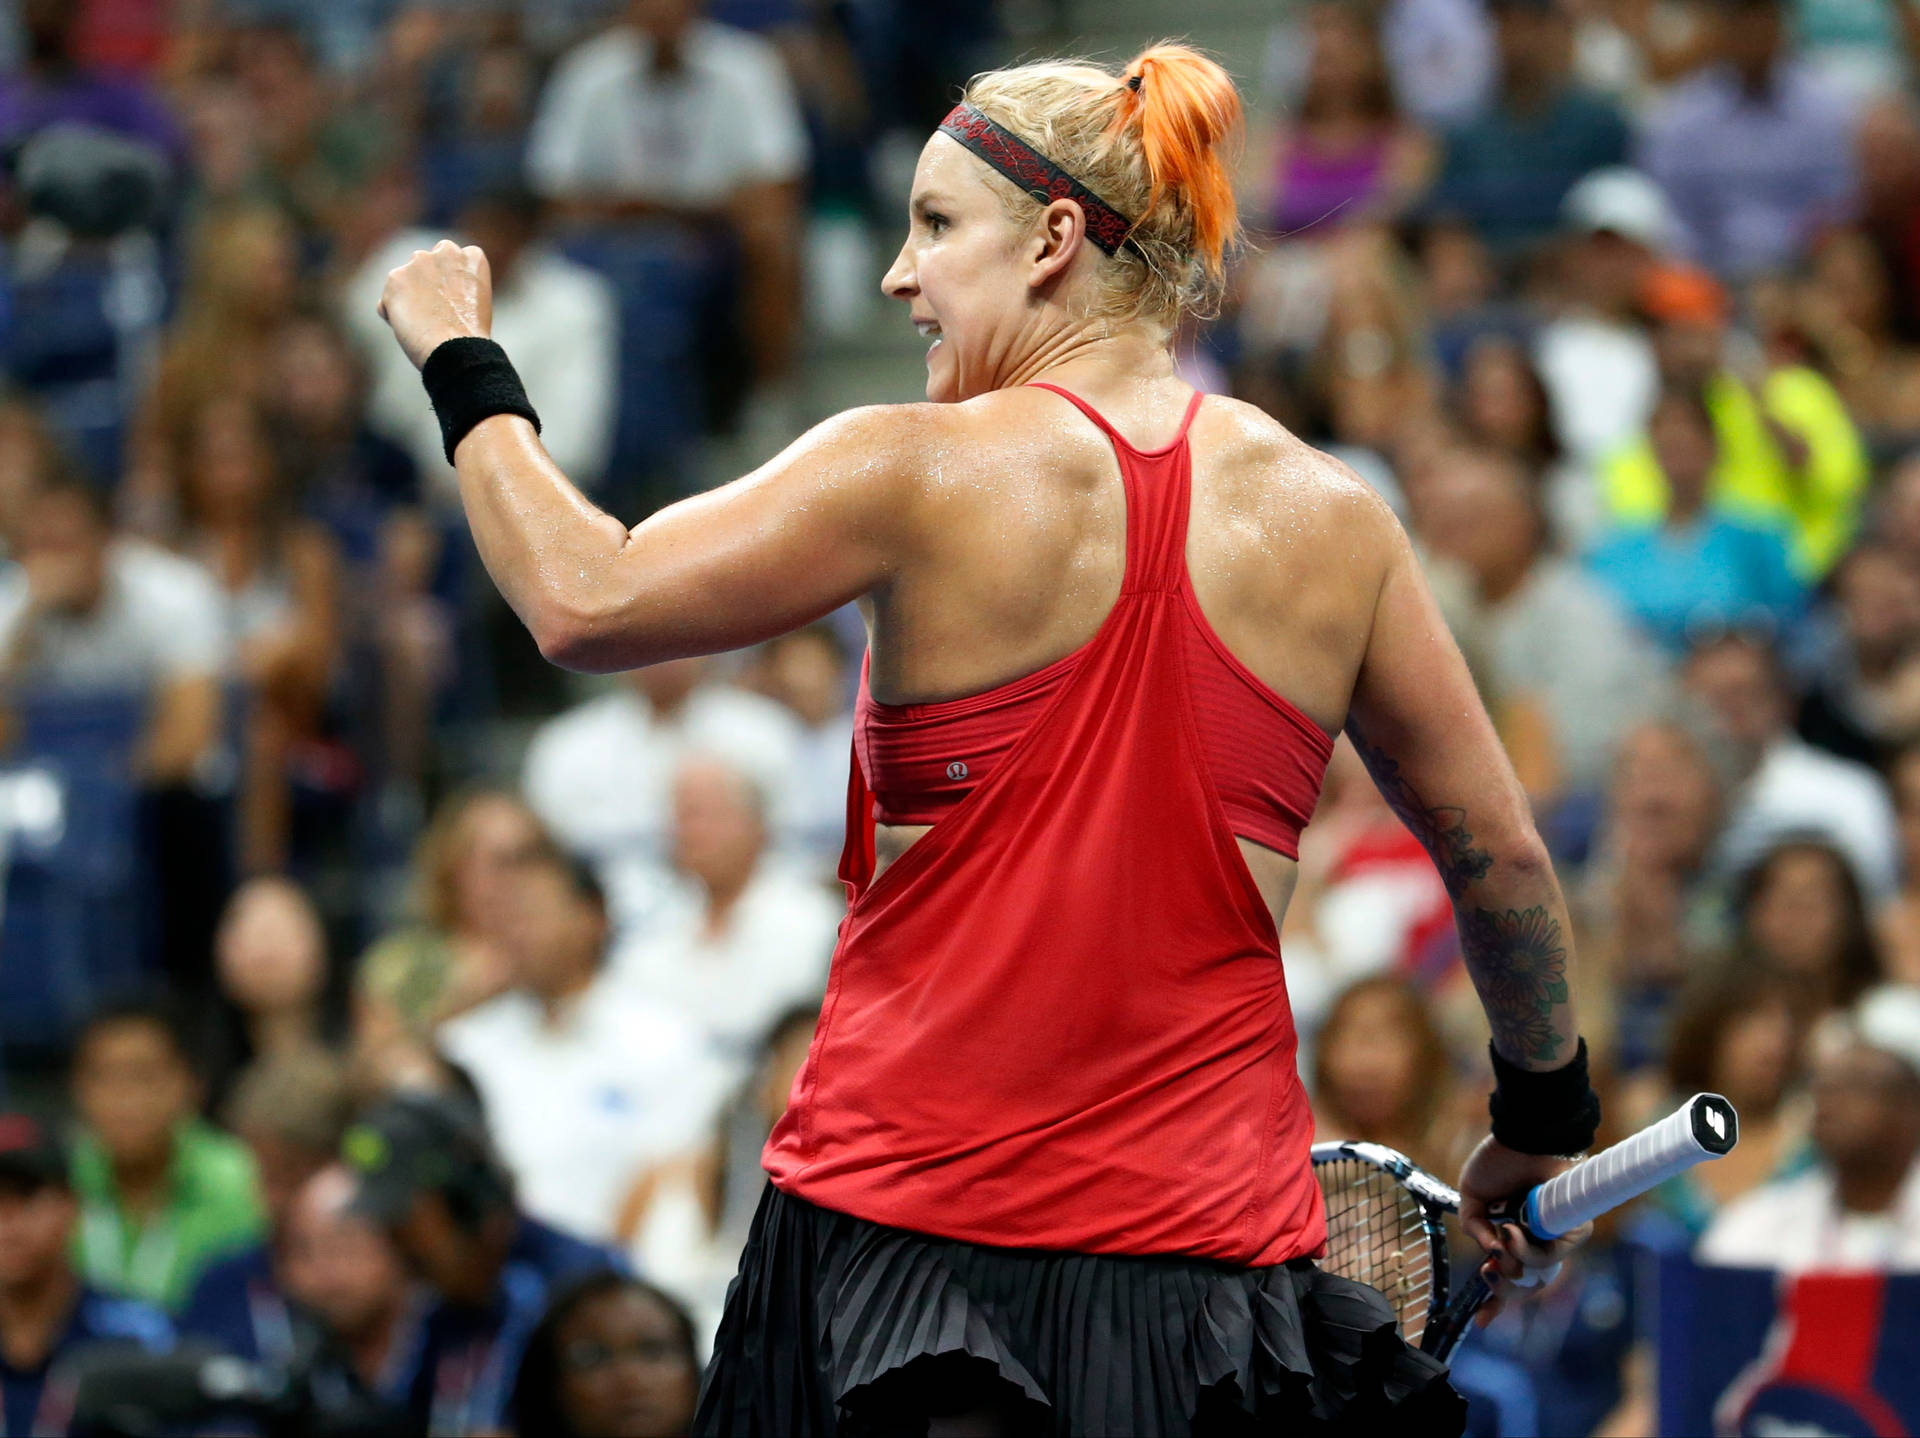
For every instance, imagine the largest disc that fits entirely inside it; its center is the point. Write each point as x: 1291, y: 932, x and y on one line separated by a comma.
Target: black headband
x: 1035, y: 173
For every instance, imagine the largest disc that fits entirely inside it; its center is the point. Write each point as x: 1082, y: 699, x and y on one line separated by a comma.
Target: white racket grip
x: 1703, y: 1127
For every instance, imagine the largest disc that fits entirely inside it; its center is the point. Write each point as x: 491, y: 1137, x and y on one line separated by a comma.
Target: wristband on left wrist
x: 1552, y: 1113
x: 468, y: 380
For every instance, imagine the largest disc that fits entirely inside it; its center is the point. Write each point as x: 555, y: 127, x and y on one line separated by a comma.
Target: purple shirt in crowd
x: 125, y: 106
x: 1751, y: 177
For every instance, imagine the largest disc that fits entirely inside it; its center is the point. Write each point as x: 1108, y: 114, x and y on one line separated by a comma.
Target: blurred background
x: 310, y: 861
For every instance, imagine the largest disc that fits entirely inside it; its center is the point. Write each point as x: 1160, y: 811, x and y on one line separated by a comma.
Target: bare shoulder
x: 1259, y: 469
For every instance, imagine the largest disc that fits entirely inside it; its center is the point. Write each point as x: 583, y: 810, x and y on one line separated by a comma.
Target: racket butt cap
x: 1716, y: 1127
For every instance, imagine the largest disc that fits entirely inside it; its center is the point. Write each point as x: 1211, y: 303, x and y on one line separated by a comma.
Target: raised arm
x: 1423, y: 733
x: 819, y: 525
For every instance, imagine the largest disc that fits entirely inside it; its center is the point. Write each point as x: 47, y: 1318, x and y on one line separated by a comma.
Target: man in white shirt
x: 585, y: 1082
x: 562, y: 319
x: 670, y: 115
x: 1596, y: 357
x: 1860, y: 1208
x: 1552, y: 638
x: 600, y: 774
x: 1794, y: 788
x: 82, y: 612
x: 756, y: 938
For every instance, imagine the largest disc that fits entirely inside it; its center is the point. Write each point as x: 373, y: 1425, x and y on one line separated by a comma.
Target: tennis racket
x: 1386, y: 1216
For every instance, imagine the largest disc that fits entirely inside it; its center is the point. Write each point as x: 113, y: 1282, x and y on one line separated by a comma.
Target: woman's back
x: 1074, y: 960
x: 1023, y: 521
x: 1021, y: 544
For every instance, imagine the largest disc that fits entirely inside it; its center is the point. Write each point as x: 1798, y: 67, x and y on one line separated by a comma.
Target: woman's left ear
x: 1063, y: 230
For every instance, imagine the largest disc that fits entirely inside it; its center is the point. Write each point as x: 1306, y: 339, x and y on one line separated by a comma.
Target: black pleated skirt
x: 839, y: 1326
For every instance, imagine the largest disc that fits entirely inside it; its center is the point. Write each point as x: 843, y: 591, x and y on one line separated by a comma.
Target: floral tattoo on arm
x: 1519, y: 965
x: 1440, y: 828
x: 1517, y: 957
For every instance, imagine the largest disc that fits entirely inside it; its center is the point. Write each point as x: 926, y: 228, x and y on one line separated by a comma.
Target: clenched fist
x: 445, y: 293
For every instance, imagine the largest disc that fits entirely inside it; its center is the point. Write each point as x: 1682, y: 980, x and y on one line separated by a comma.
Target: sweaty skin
x: 983, y: 535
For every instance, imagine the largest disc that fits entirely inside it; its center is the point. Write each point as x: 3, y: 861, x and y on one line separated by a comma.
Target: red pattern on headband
x: 1035, y: 173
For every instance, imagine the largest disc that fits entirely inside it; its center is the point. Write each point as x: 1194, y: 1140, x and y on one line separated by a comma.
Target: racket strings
x: 1378, y: 1234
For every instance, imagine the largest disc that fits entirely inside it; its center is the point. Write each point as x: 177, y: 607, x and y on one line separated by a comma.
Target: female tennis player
x: 1046, y: 1167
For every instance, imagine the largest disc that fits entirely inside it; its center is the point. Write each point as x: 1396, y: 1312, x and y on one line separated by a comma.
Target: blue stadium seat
x: 668, y: 281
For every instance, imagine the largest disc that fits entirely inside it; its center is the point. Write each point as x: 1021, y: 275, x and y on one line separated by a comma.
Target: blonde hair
x: 1156, y: 142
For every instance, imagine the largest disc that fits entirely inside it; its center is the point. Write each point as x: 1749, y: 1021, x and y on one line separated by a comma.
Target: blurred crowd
x: 377, y: 1003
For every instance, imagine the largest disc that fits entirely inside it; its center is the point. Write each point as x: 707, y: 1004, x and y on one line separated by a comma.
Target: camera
x: 128, y: 1393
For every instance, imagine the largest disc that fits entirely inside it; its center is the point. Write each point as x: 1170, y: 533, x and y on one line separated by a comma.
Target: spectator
x: 477, y: 140
x: 1790, y: 458
x: 757, y: 937
x: 559, y: 318
x: 83, y: 612
x: 634, y: 1078
x: 56, y: 85
x: 335, y: 469
x: 685, y: 1221
x: 1800, y: 912
x: 1737, y: 1031
x: 289, y: 1110
x: 163, y: 1194
x: 1693, y: 566
x: 1843, y: 313
x: 807, y: 672
x: 270, y: 957
x: 1861, y: 53
x: 1503, y: 403
x: 1442, y: 56
x: 1368, y: 897
x: 1507, y: 170
x: 601, y: 774
x: 1484, y: 511
x: 1755, y: 152
x: 223, y: 344
x: 672, y: 115
x: 279, y: 581
x: 1899, y: 918
x: 1889, y: 150
x: 397, y: 628
x: 1791, y: 787
x: 1859, y: 1207
x: 1863, y: 700
x: 1381, y: 1072
x: 1596, y: 356
x: 1653, y: 906
x: 612, y: 1358
x: 1347, y: 157
x: 414, y: 979
x: 1897, y: 508
x: 426, y: 1171
x: 31, y: 456
x: 346, y: 1271
x: 48, y: 1312
x: 317, y: 154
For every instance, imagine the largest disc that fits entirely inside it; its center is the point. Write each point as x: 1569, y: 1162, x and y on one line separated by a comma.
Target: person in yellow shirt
x: 1790, y: 456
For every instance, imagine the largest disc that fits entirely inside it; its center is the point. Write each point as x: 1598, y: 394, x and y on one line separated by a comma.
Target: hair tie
x: 1133, y: 82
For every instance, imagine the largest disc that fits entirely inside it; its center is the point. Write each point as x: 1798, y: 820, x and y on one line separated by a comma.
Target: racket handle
x: 1703, y: 1127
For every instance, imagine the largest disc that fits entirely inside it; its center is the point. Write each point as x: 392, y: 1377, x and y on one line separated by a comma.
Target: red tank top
x: 1267, y: 759
x: 1059, y: 1019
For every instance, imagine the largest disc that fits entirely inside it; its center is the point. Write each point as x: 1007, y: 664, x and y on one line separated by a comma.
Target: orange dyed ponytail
x: 1189, y: 118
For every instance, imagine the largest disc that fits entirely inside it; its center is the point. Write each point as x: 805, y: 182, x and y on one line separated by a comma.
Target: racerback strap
x: 1157, y: 486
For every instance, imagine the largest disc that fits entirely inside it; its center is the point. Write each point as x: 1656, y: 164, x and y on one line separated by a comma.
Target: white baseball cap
x: 1888, y: 1018
x: 1623, y: 201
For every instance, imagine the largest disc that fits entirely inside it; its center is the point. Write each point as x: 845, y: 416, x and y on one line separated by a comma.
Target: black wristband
x: 469, y: 380
x: 1544, y: 1113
